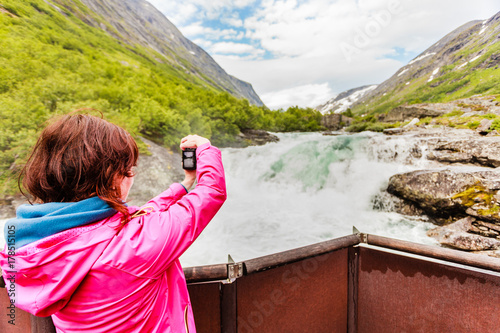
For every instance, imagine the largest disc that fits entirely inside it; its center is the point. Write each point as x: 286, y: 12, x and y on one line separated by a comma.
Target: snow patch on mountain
x: 433, y: 74
x: 404, y: 71
x: 341, y: 102
x: 421, y: 57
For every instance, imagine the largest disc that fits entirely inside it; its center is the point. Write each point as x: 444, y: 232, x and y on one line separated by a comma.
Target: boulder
x: 485, y: 229
x: 451, y: 194
x: 484, y: 126
x: 386, y: 202
x: 412, y: 123
x: 408, y: 112
x: 476, y: 104
x: 493, y: 133
x: 464, y: 200
x: 258, y: 137
x: 454, y: 146
x: 9, y: 204
x: 335, y: 121
x: 457, y: 235
x: 393, y: 131
x: 252, y: 138
x: 484, y: 151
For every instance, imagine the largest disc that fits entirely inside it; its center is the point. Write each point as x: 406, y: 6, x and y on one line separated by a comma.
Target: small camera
x: 189, y: 159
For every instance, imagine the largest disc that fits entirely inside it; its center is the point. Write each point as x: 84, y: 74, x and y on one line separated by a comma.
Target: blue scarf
x: 34, y: 222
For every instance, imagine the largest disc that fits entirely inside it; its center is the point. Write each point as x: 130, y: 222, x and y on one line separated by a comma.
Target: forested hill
x: 138, y: 22
x: 59, y: 55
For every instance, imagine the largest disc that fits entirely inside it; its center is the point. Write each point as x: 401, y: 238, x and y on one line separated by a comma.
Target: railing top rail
x: 289, y: 256
x: 435, y: 252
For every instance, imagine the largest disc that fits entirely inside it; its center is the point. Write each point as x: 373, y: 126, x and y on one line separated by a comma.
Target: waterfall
x: 305, y: 189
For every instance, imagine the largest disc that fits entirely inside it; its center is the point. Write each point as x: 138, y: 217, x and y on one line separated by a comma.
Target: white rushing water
x: 307, y: 188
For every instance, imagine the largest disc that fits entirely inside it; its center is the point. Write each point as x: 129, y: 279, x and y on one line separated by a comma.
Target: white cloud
x: 233, y: 20
x: 286, y: 73
x: 309, y: 95
x: 181, y: 12
x: 198, y: 30
x: 195, y: 29
x: 232, y: 48
x: 213, y: 9
x: 204, y: 43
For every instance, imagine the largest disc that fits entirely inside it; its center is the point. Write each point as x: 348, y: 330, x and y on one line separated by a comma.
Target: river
x: 304, y: 189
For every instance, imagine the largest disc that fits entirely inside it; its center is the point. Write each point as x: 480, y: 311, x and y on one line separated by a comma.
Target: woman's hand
x: 191, y: 141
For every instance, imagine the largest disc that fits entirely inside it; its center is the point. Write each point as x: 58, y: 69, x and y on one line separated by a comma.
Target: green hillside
x: 452, y: 85
x: 463, y: 64
x: 53, y: 62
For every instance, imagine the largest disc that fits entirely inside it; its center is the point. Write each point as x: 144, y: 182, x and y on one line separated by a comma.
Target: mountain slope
x: 462, y: 64
x: 344, y: 100
x: 136, y: 22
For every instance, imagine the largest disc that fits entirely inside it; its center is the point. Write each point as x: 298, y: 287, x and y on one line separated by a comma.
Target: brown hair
x: 78, y: 156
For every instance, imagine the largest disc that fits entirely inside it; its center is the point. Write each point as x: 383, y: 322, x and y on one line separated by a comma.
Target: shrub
x: 473, y: 124
x: 495, y: 125
x: 425, y: 121
x: 454, y: 113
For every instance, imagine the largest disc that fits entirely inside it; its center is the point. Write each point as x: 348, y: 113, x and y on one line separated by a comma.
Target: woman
x: 81, y: 255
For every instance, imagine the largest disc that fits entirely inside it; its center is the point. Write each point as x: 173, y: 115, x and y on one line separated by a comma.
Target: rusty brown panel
x: 20, y: 317
x: 401, y: 294
x: 301, y: 253
x: 306, y: 296
x: 205, y: 299
x: 228, y: 307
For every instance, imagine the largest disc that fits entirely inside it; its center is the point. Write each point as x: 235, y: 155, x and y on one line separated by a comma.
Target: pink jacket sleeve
x: 167, y: 198
x: 146, y: 246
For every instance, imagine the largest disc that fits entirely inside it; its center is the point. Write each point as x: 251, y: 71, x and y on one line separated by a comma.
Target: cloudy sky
x: 303, y: 52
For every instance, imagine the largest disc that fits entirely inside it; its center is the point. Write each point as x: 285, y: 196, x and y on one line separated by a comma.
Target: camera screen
x: 189, y: 160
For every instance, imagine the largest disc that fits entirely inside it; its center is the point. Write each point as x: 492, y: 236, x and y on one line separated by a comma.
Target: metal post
x: 228, y: 307
x: 352, y: 293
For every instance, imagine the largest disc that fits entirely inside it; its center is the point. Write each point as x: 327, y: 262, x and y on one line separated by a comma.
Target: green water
x: 309, y: 162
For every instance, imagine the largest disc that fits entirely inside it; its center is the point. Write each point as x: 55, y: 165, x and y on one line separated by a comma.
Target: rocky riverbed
x: 462, y: 194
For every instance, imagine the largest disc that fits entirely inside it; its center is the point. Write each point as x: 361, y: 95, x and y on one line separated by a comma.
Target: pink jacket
x: 93, y: 279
